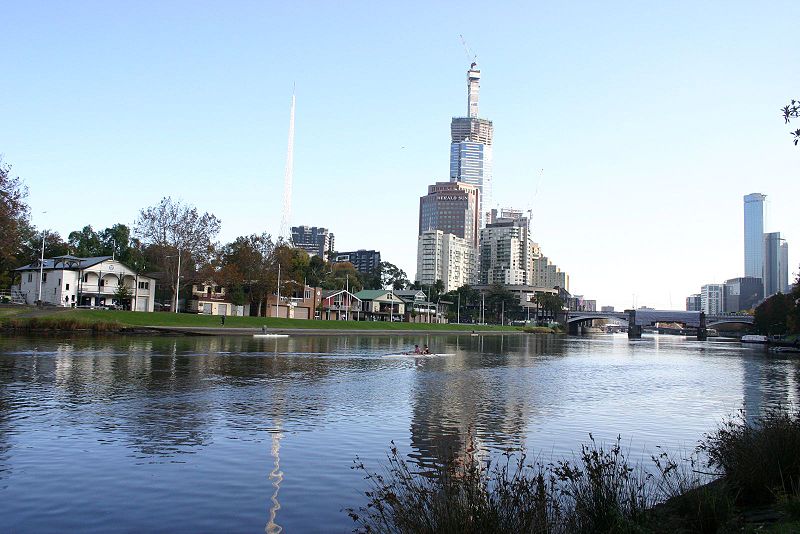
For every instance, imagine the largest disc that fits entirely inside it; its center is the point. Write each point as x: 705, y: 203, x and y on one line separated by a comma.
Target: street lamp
x: 177, y: 279
x: 41, y: 268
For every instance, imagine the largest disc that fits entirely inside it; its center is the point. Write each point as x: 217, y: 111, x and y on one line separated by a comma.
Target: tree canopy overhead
x: 792, y: 111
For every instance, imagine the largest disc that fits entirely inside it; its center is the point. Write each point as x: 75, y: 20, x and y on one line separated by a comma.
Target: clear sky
x: 631, y: 130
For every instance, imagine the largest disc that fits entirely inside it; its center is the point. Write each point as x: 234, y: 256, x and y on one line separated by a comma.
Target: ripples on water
x: 237, y: 434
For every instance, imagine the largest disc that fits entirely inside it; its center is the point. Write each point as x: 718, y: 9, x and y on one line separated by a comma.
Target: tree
x: 32, y: 247
x: 772, y: 316
x: 550, y: 303
x: 392, y: 276
x: 245, y: 263
x: 123, y: 295
x: 500, y: 300
x: 792, y: 111
x: 793, y: 322
x: 177, y: 230
x: 14, y: 221
x: 85, y: 243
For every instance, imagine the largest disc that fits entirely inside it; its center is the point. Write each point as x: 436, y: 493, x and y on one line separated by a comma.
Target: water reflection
x: 249, y: 433
x: 461, y: 406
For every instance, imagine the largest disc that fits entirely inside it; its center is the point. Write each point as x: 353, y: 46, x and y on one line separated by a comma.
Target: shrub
x: 760, y: 458
x: 597, y: 492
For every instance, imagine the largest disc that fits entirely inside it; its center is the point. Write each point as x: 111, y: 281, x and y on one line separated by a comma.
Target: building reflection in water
x: 768, y: 383
x: 461, y: 408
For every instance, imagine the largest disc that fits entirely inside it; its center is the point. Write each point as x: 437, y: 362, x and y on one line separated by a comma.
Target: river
x: 234, y: 434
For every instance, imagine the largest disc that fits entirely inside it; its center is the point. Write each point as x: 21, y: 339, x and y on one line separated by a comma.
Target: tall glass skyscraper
x: 754, y: 235
x: 471, y: 146
x: 776, y: 264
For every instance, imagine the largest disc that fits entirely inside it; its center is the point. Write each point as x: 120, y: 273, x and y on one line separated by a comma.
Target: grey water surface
x: 234, y: 434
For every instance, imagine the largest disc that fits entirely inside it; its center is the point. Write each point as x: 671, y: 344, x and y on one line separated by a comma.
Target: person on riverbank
x: 426, y: 350
x: 417, y: 349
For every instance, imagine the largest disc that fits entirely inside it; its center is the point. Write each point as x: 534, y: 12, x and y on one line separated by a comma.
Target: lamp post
x: 178, y: 281
x: 41, y: 269
x: 278, y: 300
x: 458, y: 311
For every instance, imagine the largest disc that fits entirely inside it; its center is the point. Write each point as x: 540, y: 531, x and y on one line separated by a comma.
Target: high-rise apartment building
x: 453, y: 208
x: 754, y: 235
x: 693, y: 302
x: 446, y: 257
x: 712, y: 299
x: 776, y: 264
x: 365, y: 261
x: 471, y: 145
x: 505, y: 252
x: 549, y: 275
x: 314, y: 240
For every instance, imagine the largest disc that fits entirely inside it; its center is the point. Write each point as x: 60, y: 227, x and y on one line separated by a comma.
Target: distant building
x: 300, y: 303
x: 754, y: 235
x: 445, y: 257
x: 607, y: 309
x: 578, y: 303
x: 776, y: 264
x: 505, y: 252
x: 209, y: 298
x: 743, y: 294
x: 100, y: 281
x: 365, y: 261
x: 547, y: 274
x: 452, y: 208
x: 339, y: 305
x: 712, y: 299
x: 314, y: 240
x: 693, y: 302
x: 381, y: 305
x: 471, y: 145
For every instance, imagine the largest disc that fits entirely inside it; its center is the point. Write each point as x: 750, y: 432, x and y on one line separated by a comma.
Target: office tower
x: 712, y: 299
x: 776, y: 264
x: 365, y: 261
x: 743, y: 293
x: 451, y: 207
x: 446, y: 257
x: 471, y: 145
x: 754, y: 235
x: 314, y: 240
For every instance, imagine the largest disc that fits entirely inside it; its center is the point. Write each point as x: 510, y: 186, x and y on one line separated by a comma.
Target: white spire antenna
x: 287, y: 180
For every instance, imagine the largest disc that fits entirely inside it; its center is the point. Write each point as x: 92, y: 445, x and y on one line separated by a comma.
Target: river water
x: 205, y: 434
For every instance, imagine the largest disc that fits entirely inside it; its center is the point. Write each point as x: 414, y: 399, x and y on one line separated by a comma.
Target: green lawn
x: 125, y: 318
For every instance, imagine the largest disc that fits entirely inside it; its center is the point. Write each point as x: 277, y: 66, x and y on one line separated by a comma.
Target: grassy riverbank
x: 743, y: 477
x: 110, y: 320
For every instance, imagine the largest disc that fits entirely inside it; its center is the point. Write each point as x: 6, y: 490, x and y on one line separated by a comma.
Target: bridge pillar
x: 573, y: 328
x: 634, y: 330
x: 702, y: 332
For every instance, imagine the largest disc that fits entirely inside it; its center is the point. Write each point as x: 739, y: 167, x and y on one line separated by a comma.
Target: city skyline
x: 157, y: 100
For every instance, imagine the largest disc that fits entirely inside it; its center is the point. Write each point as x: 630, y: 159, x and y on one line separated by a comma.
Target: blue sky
x: 650, y: 122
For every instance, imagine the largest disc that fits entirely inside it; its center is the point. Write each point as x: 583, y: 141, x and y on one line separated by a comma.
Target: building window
x: 217, y: 289
x: 67, y: 287
x: 30, y: 277
x: 146, y: 285
x: 44, y: 277
x: 102, y: 283
x: 86, y: 278
x: 199, y: 288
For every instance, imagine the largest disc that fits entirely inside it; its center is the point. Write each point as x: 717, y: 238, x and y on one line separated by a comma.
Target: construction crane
x: 472, y: 57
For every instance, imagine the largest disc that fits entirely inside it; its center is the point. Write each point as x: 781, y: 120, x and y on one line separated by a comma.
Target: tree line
x: 173, y: 239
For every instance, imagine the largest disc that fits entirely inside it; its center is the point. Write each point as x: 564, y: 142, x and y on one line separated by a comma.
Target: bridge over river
x: 636, y: 319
